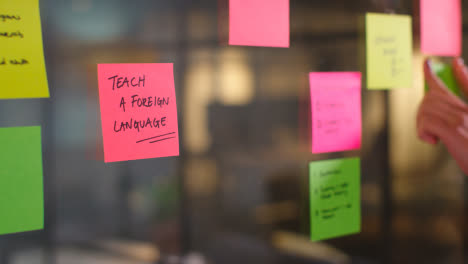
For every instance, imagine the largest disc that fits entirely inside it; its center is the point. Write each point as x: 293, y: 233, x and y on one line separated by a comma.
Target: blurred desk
x: 301, y: 246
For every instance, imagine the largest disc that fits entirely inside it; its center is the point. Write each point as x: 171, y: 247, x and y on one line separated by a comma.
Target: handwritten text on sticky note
x: 335, y: 208
x: 138, y: 111
x: 441, y: 27
x: 389, y: 51
x: 259, y: 23
x: 336, y: 111
x: 21, y: 188
x: 22, y: 66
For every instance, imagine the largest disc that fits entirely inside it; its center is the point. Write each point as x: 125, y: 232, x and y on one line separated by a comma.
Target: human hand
x: 442, y: 116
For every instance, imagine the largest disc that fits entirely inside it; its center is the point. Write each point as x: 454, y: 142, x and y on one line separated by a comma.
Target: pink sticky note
x: 441, y: 27
x: 259, y: 23
x: 138, y: 111
x: 336, y: 111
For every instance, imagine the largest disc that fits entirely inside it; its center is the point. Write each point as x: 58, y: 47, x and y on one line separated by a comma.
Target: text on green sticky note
x: 335, y: 208
x: 21, y: 187
x: 389, y: 45
x: 22, y: 66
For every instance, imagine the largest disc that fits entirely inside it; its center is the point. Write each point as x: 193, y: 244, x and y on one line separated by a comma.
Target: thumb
x: 461, y: 74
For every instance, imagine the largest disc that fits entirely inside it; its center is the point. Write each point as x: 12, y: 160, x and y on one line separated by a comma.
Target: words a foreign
x: 147, y: 101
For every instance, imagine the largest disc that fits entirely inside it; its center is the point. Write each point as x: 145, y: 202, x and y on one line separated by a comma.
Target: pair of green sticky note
x: 21, y: 187
x: 335, y: 208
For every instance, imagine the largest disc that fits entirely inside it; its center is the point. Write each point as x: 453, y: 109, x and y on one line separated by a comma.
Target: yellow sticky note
x: 389, y: 44
x: 22, y: 66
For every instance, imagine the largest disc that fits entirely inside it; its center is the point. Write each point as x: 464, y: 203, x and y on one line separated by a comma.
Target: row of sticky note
x: 336, y: 126
x: 143, y: 124
x: 22, y: 75
x: 336, y: 107
x: 266, y: 23
x: 251, y: 23
x: 138, y: 107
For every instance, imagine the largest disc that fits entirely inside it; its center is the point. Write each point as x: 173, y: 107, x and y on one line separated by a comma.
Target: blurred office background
x: 238, y: 191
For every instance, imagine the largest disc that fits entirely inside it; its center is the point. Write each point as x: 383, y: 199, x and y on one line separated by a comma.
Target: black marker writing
x: 17, y: 34
x: 149, y: 101
x: 19, y: 62
x: 119, y: 82
x: 4, y: 18
x: 384, y: 40
x: 159, y: 140
x: 328, y: 173
x: 139, y: 124
x: 5, y: 61
x: 122, y: 103
x: 146, y: 139
x: 388, y: 52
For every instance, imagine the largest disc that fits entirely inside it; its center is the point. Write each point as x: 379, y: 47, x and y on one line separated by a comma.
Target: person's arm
x: 442, y: 116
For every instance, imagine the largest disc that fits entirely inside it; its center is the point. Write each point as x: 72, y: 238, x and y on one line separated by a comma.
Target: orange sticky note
x: 138, y: 111
x: 259, y: 23
x: 441, y: 27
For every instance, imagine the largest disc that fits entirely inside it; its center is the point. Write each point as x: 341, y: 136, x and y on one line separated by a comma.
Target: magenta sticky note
x: 138, y: 111
x: 336, y: 111
x: 441, y: 27
x: 259, y: 23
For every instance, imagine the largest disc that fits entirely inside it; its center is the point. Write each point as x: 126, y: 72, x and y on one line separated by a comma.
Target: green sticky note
x: 21, y: 187
x: 335, y: 208
x: 445, y: 73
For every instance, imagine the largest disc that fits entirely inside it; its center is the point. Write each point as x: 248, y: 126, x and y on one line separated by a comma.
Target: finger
x: 448, y: 115
x: 434, y: 127
x: 461, y: 74
x: 429, y: 139
x: 448, y: 98
x: 446, y: 108
x: 424, y: 133
x: 432, y: 80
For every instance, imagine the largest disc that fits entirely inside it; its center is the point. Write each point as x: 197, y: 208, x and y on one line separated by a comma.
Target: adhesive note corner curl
x: 389, y: 45
x: 21, y: 186
x: 441, y: 27
x: 259, y: 23
x: 138, y: 111
x: 335, y: 208
x: 335, y: 111
x: 22, y: 65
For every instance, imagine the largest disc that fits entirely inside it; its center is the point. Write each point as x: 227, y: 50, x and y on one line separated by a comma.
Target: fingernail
x: 429, y: 63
